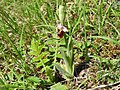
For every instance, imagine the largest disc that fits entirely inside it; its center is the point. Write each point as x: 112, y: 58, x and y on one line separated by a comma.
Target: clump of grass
x: 93, y: 31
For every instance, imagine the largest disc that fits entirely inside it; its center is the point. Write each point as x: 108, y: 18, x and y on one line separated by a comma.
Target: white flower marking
x: 61, y: 27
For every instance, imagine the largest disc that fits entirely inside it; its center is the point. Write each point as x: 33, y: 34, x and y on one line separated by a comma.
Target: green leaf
x: 39, y: 57
x: 61, y: 14
x: 34, y: 79
x: 106, y: 38
x: 63, y: 71
x: 58, y: 86
x: 69, y: 45
x: 45, y: 68
x: 40, y: 48
x: 35, y: 59
x: 42, y: 62
x: 66, y: 60
x: 58, y: 55
x: 8, y: 86
x: 33, y: 45
x: 32, y: 53
x: 51, y: 41
x: 1, y: 82
x: 49, y: 73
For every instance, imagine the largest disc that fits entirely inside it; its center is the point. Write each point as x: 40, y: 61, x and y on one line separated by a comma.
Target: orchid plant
x: 67, y: 69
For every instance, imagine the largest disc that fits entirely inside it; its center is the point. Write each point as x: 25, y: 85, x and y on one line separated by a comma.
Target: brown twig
x: 105, y: 86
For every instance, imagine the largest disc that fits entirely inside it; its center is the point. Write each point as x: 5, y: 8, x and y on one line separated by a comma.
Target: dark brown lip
x: 60, y: 33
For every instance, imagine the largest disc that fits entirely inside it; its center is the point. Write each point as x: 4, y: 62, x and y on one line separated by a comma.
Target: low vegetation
x: 59, y: 44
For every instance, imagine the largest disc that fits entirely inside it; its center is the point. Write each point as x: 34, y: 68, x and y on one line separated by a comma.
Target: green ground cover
x: 34, y: 57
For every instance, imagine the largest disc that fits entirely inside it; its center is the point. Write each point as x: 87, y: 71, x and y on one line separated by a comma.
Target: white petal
x: 65, y: 29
